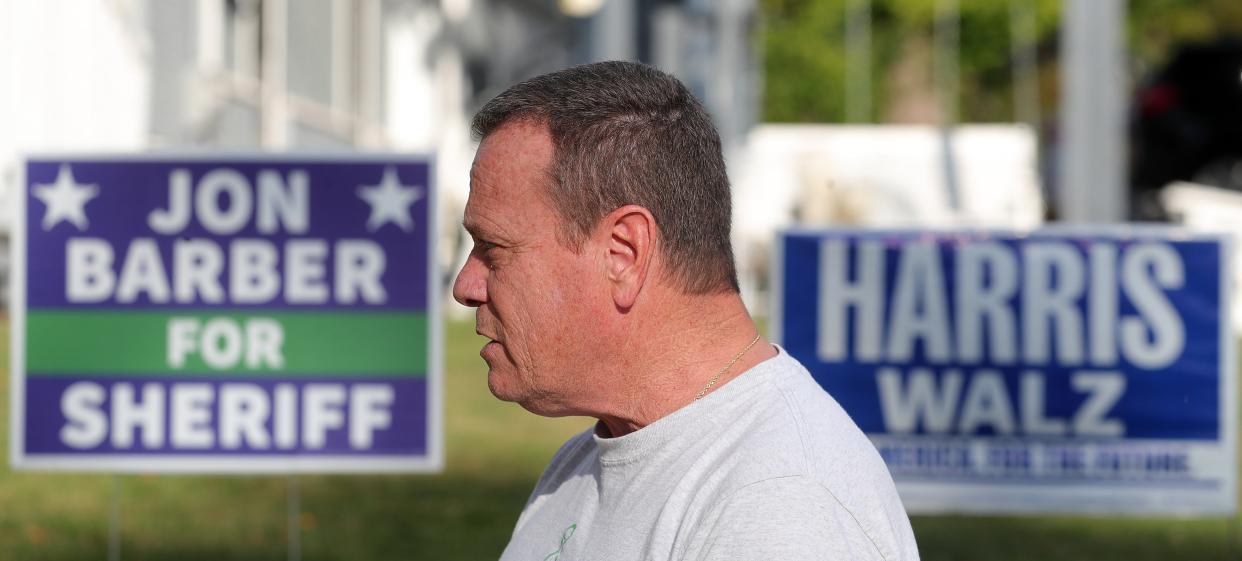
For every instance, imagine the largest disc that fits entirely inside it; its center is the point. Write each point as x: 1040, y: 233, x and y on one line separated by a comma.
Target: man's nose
x: 470, y: 287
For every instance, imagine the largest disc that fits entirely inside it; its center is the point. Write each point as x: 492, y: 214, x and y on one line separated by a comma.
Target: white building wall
x: 74, y: 77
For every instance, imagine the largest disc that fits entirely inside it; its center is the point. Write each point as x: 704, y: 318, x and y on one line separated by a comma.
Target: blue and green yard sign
x: 247, y: 314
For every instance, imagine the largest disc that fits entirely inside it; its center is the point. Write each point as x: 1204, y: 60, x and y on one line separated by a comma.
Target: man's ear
x: 630, y: 244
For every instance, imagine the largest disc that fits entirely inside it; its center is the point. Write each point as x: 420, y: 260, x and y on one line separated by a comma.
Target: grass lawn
x: 495, y: 452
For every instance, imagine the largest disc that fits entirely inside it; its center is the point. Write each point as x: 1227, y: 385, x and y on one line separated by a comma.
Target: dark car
x: 1188, y: 124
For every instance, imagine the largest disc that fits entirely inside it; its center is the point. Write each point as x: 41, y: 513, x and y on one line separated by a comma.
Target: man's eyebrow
x: 477, y: 231
x: 474, y: 178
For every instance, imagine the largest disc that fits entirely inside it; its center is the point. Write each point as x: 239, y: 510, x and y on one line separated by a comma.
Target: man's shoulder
x: 799, y: 442
x: 804, y: 519
x: 795, y: 419
x: 788, y: 517
x: 808, y: 426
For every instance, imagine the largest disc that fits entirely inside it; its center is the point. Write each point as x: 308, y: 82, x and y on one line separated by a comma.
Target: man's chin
x: 529, y: 400
x: 501, y: 390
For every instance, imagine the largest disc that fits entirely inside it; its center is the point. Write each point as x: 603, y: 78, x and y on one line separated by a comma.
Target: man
x: 603, y: 276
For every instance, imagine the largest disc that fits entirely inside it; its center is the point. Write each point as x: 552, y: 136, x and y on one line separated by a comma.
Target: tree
x: 804, y: 52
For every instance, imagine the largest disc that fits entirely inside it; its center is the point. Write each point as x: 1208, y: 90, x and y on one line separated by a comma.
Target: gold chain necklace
x: 726, y: 368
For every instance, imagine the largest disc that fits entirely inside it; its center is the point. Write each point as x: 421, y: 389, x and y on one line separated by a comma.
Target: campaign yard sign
x: 1076, y: 371
x: 265, y: 313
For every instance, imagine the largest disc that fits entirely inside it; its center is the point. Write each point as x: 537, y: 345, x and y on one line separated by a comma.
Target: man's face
x: 533, y: 296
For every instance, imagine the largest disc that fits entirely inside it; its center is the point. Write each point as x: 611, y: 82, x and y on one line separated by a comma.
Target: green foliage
x: 1156, y: 27
x: 803, y: 60
x: 804, y: 53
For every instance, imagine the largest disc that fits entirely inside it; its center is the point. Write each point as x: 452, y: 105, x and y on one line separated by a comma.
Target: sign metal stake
x: 114, y: 521
x: 294, y: 514
x: 1231, y: 538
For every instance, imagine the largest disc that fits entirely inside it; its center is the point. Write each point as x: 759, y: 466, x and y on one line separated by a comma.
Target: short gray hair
x: 626, y: 133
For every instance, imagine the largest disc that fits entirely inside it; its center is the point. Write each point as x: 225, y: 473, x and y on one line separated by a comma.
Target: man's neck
x: 671, y: 358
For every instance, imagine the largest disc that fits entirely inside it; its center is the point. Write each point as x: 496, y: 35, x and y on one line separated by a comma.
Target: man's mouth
x: 493, y: 350
x: 493, y: 344
x: 491, y: 341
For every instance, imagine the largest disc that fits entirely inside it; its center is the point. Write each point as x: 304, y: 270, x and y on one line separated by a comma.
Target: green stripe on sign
x: 111, y: 342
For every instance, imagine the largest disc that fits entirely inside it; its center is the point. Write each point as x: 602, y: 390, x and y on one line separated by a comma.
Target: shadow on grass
x: 412, y: 518
x: 976, y: 538
x: 342, y: 518
x: 450, y: 517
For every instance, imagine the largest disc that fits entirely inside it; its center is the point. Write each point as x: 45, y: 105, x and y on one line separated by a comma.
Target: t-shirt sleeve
x: 788, y: 518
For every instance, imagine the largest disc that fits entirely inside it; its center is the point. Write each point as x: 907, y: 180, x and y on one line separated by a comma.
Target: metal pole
x: 343, y: 37
x: 1093, y: 108
x: 245, y: 45
x: 294, y: 512
x: 1230, y: 536
x: 114, y: 521
x: 668, y: 30
x: 613, y: 32
x: 274, y: 128
x: 1023, y: 45
x: 725, y: 97
x: 370, y: 39
x: 947, y: 45
x: 858, y: 61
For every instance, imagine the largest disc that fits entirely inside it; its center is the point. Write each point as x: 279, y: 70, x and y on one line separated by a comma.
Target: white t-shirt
x: 766, y: 467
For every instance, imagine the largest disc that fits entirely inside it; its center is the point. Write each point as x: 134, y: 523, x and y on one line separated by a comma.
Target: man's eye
x: 485, y: 253
x: 484, y: 249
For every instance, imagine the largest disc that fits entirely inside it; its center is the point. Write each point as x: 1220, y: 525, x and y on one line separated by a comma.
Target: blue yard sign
x: 213, y: 314
x: 1076, y: 370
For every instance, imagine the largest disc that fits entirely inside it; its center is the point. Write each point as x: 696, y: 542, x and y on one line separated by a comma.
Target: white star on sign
x: 65, y: 199
x: 390, y: 201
